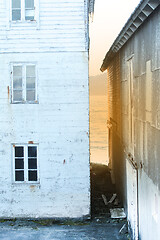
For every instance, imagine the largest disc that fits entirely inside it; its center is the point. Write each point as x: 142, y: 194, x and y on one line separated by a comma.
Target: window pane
x: 17, y: 82
x: 32, y: 175
x: 32, y: 151
x: 19, y: 163
x: 17, y: 95
x: 19, y: 151
x: 16, y: 15
x: 17, y: 71
x: 30, y: 82
x: 32, y: 163
x: 30, y: 95
x: 16, y: 3
x: 30, y: 71
x: 29, y: 18
x: 29, y: 4
x: 29, y: 15
x: 19, y: 175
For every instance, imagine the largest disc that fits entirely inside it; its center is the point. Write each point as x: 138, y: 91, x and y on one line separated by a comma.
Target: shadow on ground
x: 102, y: 191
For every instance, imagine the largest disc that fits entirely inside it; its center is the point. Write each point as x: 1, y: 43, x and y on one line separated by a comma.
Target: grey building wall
x: 134, y: 113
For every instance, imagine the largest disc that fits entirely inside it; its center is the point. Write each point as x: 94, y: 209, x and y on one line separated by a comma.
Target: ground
x: 101, y: 226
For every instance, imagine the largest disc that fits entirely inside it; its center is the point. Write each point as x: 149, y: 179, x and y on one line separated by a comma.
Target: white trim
x: 19, y: 22
x: 24, y: 64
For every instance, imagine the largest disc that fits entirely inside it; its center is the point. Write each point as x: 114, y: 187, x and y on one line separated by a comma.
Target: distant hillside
x: 98, y: 84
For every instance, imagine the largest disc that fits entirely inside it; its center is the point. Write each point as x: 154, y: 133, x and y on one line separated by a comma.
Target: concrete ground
x: 91, y: 231
x: 101, y: 226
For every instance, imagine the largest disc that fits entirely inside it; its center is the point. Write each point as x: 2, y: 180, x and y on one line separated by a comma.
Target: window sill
x: 27, y: 23
x: 26, y: 183
x: 25, y: 102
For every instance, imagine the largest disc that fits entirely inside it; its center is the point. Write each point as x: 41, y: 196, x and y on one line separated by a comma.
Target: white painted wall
x: 132, y: 198
x: 58, y: 123
x: 60, y: 26
x: 149, y: 198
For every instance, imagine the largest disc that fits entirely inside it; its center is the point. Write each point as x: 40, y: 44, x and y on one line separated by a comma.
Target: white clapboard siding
x: 59, y: 123
x: 57, y: 43
x: 60, y: 26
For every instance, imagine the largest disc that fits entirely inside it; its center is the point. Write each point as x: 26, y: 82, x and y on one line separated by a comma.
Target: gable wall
x: 58, y: 123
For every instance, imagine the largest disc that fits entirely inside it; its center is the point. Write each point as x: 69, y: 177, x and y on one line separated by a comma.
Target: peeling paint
x: 59, y: 120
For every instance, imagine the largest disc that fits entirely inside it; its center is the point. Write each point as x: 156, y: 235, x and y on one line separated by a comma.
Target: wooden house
x: 44, y: 105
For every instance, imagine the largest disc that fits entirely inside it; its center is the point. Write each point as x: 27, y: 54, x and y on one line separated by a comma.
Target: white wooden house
x: 44, y: 105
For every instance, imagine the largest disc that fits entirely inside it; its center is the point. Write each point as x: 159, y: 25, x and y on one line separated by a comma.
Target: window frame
x: 26, y: 167
x: 24, y: 87
x: 23, y: 9
x: 11, y: 24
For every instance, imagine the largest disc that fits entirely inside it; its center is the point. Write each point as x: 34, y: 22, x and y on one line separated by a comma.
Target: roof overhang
x: 91, y: 6
x: 140, y: 14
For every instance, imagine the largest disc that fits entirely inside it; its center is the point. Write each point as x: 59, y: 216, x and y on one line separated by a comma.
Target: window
x: 23, y: 10
x: 25, y: 163
x: 24, y: 83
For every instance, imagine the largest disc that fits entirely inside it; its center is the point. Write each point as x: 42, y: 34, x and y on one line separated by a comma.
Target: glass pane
x: 17, y: 82
x: 32, y: 175
x: 17, y: 95
x: 19, y: 175
x: 30, y: 82
x: 29, y: 4
x: 32, y: 163
x: 16, y: 15
x: 32, y: 151
x: 19, y: 151
x: 30, y: 95
x: 16, y: 3
x: 29, y: 15
x: 29, y: 18
x: 19, y: 163
x: 30, y: 71
x: 17, y: 71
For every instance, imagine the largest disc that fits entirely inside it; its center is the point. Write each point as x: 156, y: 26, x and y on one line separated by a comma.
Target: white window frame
x: 36, y: 14
x: 23, y: 12
x: 26, y: 170
x: 23, y: 65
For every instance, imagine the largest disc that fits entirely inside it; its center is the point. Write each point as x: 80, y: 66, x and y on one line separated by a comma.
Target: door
x: 132, y: 197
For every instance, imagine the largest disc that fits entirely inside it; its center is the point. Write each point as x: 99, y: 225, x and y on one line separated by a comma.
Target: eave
x: 140, y: 14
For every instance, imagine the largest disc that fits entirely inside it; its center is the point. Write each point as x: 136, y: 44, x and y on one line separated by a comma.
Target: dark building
x: 133, y: 75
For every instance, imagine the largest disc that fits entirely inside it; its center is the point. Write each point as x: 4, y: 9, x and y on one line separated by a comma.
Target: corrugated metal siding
x: 144, y: 49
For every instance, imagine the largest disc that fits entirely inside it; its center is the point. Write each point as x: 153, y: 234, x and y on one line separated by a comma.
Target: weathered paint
x: 58, y: 122
x: 132, y: 204
x: 134, y: 116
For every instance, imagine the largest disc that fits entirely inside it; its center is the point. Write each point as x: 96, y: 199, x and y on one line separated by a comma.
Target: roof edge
x: 140, y: 14
x: 91, y: 6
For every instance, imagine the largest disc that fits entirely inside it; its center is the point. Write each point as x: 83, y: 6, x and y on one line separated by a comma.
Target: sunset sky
x: 109, y: 18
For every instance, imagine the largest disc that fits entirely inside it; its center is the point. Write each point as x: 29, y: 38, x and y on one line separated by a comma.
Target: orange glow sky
x: 109, y: 18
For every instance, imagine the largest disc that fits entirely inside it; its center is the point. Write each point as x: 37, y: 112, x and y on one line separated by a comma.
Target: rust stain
x: 14, y: 146
x: 8, y: 91
x: 30, y: 142
x: 64, y: 161
x: 32, y: 188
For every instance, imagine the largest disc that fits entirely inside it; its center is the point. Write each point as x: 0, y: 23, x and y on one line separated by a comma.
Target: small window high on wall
x: 23, y: 10
x: 25, y: 162
x: 24, y: 83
